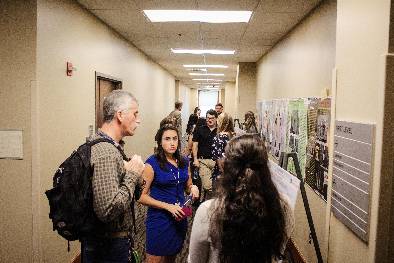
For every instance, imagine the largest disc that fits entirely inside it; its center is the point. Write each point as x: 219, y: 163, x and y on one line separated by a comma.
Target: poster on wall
x: 297, y: 130
x: 279, y: 127
x: 316, y: 168
x: 259, y: 107
x: 266, y: 124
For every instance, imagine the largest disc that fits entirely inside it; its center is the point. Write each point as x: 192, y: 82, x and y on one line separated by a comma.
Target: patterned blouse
x: 218, y: 146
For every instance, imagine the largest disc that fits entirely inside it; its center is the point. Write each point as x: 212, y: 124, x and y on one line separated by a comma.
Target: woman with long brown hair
x: 225, y: 133
x: 248, y: 221
x: 166, y: 179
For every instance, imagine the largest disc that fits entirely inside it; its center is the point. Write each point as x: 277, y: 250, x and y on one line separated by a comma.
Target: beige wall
x: 17, y: 54
x: 246, y: 87
x: 66, y: 104
x: 300, y: 66
x: 361, y: 49
x: 230, y: 99
x: 222, y: 96
x: 193, y: 100
x: 356, y: 35
x: 184, y: 96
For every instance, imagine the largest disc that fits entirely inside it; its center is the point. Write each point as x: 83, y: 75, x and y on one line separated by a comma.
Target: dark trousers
x: 106, y: 250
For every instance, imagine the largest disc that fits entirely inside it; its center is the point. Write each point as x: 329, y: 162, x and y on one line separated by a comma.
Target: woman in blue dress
x: 166, y: 178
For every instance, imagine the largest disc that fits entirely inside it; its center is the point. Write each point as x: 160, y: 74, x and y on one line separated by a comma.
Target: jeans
x: 106, y: 250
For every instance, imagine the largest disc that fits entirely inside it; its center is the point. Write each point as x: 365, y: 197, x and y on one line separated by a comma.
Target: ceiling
x: 270, y: 21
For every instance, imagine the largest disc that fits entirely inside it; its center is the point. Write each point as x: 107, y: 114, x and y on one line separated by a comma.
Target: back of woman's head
x: 249, y: 115
x: 225, y: 123
x: 248, y: 222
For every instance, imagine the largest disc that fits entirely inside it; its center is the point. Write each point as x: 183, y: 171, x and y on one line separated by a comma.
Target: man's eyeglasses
x: 211, y: 118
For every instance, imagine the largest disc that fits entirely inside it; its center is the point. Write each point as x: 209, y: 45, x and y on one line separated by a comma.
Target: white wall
x: 66, y: 32
x: 300, y: 66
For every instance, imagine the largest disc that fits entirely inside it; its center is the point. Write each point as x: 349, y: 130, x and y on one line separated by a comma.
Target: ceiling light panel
x: 206, y: 74
x: 198, y: 16
x: 209, y: 79
x: 203, y: 51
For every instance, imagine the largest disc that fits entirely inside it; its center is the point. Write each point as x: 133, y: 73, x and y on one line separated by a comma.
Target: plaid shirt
x: 113, y: 187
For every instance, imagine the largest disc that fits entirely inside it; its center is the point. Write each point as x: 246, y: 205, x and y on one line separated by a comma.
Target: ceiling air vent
x: 197, y: 70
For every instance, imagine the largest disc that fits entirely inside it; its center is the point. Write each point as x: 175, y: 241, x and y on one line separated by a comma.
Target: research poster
x: 279, y: 127
x: 297, y: 129
x: 317, y: 159
x: 299, y: 125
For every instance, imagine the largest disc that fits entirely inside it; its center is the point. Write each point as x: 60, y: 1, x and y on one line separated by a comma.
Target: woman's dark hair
x: 193, y: 118
x: 201, y: 122
x: 248, y: 221
x: 250, y: 122
x: 160, y: 154
x: 212, y: 112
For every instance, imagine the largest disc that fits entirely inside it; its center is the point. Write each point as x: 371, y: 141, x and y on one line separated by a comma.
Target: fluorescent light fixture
x: 210, y: 86
x: 205, y: 66
x: 206, y: 74
x: 209, y: 79
x: 198, y: 16
x: 210, y: 83
x: 203, y: 51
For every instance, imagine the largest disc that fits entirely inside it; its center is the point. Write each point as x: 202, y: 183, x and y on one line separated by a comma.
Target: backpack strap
x: 93, y: 142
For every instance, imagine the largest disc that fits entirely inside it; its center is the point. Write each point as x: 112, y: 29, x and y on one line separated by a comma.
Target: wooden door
x: 104, y: 86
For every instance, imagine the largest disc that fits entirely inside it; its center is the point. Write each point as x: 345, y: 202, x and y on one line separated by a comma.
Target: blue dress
x: 165, y: 235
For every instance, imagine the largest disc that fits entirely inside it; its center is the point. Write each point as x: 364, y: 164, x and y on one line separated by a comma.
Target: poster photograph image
x: 316, y: 169
x: 266, y: 130
x: 297, y: 127
x: 279, y: 128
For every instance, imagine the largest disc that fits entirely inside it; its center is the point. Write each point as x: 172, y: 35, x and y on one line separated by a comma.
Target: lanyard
x: 176, y: 178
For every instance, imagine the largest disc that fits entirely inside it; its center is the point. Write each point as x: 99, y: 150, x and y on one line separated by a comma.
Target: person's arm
x: 199, y: 247
x: 195, y: 139
x: 145, y: 199
x: 111, y: 197
x: 190, y: 187
x: 196, y: 163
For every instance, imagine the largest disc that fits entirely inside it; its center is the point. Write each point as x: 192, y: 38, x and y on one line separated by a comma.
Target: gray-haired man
x: 113, y: 182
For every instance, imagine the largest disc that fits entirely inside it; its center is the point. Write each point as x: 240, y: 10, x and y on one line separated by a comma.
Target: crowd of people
x: 240, y: 217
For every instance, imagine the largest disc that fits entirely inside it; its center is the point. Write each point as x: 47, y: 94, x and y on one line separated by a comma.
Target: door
x: 104, y: 86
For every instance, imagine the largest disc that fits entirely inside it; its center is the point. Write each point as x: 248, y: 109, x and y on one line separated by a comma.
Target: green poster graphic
x: 297, y: 130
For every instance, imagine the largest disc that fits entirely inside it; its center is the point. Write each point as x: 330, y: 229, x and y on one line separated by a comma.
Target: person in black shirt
x: 202, y: 150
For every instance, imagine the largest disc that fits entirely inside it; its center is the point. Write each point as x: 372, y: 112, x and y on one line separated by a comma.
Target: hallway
x: 60, y: 57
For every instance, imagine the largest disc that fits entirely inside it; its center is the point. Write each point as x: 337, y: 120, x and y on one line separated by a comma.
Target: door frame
x: 97, y: 76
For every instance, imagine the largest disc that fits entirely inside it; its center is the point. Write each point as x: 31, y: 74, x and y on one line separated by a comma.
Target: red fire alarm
x: 69, y: 69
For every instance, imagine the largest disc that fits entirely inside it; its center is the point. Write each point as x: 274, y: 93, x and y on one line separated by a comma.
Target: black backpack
x: 71, y: 198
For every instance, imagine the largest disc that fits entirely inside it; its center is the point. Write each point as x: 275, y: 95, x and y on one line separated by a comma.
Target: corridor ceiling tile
x: 270, y: 21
